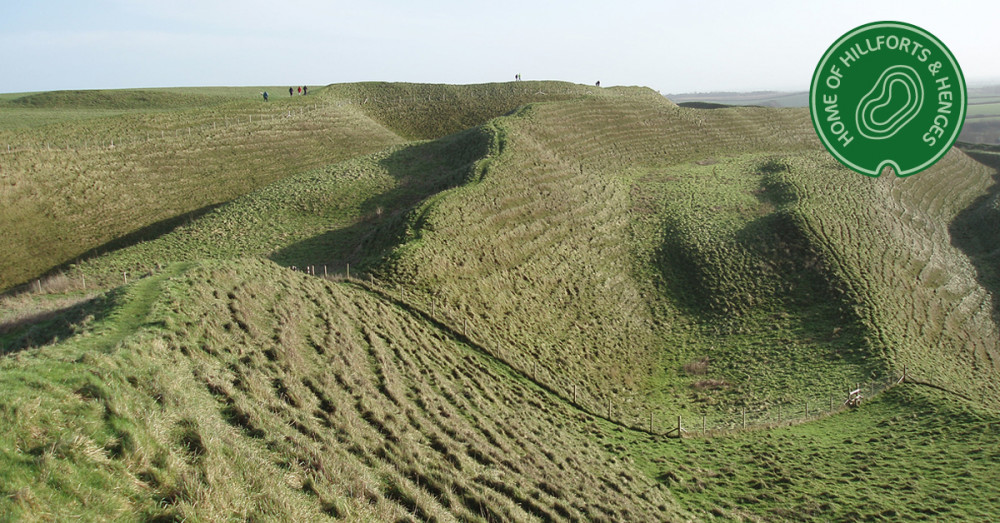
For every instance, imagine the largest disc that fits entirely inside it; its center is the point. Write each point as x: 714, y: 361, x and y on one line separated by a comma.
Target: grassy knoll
x: 244, y: 389
x: 741, y: 275
x: 426, y: 111
x: 560, y: 217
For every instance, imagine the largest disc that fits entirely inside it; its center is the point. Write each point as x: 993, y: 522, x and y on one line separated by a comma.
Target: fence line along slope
x: 611, y: 241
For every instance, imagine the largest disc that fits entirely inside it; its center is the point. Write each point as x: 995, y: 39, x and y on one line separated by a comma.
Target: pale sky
x: 673, y: 47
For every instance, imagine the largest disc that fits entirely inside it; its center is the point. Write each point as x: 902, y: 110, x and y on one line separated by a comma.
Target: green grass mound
x: 352, y: 212
x: 79, y: 187
x: 241, y: 389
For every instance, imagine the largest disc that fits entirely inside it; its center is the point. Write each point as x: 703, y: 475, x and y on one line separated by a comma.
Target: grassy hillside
x: 92, y: 171
x: 241, y: 389
x: 68, y: 191
x: 912, y: 455
x: 350, y: 212
x: 580, y: 198
x: 426, y: 111
x: 547, y: 285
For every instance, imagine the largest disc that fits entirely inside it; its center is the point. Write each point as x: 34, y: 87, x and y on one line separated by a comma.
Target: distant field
x: 982, y: 121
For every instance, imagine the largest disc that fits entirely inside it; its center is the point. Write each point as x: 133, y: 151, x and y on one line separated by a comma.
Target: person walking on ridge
x: 291, y: 92
x: 265, y: 96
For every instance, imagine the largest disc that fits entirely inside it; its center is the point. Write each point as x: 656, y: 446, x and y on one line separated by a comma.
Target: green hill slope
x: 546, y: 286
x: 68, y: 191
x: 427, y: 111
x: 722, y: 236
x: 245, y: 390
x: 98, y: 170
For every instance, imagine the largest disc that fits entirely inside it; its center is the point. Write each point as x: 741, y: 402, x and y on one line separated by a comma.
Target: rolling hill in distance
x: 496, y: 302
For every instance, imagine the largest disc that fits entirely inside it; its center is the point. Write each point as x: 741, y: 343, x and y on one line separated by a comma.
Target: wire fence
x: 684, y: 423
x: 697, y: 421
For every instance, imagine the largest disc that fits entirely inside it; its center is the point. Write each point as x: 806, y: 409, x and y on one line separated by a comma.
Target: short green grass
x: 243, y: 389
x: 912, y: 454
x: 596, y: 250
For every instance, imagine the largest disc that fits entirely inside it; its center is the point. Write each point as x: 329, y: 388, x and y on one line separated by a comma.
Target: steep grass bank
x: 251, y: 391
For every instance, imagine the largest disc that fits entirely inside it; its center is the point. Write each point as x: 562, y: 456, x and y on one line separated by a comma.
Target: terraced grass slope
x: 246, y: 390
x: 725, y: 239
x: 62, y: 201
x: 549, y: 283
x: 91, y: 171
x: 347, y: 213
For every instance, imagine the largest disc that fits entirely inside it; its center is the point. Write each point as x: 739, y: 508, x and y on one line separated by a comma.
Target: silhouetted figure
x: 305, y: 90
x: 517, y: 77
x: 291, y: 92
x: 598, y: 84
x: 300, y: 90
x: 265, y: 96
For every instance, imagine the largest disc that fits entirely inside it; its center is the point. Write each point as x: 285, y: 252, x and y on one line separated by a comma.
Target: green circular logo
x: 888, y: 94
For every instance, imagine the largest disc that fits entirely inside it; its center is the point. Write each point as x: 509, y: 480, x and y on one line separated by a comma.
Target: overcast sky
x: 697, y: 45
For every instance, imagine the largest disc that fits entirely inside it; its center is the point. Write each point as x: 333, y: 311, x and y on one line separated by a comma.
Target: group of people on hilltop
x: 303, y: 90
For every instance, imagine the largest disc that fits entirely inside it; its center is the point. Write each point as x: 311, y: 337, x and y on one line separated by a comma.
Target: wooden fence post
x: 125, y: 276
x: 680, y: 428
x: 704, y: 431
x: 348, y: 271
x: 324, y: 271
x: 574, y: 393
x: 744, y: 418
x: 39, y: 282
x: 465, y: 326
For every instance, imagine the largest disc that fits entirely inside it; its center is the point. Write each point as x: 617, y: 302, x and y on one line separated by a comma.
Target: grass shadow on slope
x: 47, y: 327
x: 739, y: 264
x: 976, y: 230
x: 148, y: 233
x: 386, y: 219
